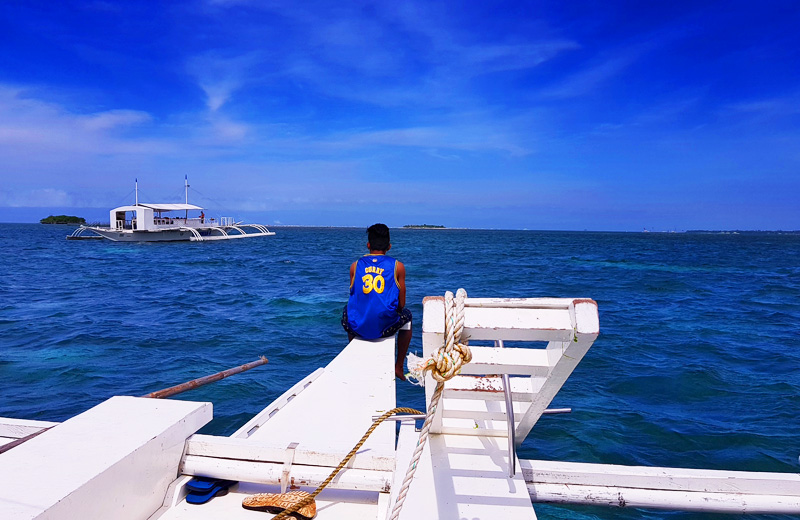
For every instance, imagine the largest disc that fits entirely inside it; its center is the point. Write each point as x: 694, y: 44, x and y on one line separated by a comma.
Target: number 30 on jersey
x: 376, y: 283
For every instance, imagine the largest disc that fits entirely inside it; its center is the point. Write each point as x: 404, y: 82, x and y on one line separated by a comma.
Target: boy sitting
x: 376, y: 308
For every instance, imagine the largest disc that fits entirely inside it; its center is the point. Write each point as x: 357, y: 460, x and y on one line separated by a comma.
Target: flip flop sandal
x: 204, y: 484
x: 275, y: 503
x: 196, y: 497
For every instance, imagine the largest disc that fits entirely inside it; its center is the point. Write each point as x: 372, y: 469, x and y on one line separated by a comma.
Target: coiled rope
x: 443, y: 364
x: 295, y: 507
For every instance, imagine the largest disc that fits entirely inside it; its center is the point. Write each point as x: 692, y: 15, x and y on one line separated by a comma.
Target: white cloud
x: 43, y: 127
x: 46, y: 197
x: 220, y: 74
x: 115, y: 119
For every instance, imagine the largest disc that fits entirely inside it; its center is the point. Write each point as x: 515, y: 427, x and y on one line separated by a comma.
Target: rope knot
x: 446, y: 363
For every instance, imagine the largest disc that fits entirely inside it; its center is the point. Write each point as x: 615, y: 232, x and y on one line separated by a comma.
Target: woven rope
x: 443, y: 365
x: 310, y: 498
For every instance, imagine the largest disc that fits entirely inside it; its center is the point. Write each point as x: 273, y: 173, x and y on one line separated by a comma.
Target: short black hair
x: 378, y: 237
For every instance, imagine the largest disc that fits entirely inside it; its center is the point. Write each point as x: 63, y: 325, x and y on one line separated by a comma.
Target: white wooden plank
x: 487, y: 388
x: 332, y: 504
x: 517, y: 324
x: 406, y: 444
x: 568, y: 355
x: 252, y: 450
x: 466, y: 477
x: 481, y: 427
x: 522, y: 319
x: 264, y: 415
x: 665, y: 499
x: 673, y: 479
x: 586, y: 318
x: 270, y: 473
x: 520, y: 303
x: 127, y: 448
x: 515, y: 361
x: 337, y: 408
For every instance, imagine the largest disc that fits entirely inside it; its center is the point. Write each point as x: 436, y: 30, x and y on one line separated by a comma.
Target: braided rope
x: 446, y: 362
x: 443, y: 365
x: 295, y: 507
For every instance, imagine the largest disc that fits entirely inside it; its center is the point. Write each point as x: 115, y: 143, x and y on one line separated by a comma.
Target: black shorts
x: 391, y: 330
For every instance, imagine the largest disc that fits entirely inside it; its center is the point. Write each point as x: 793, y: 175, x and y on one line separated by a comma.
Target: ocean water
x: 696, y: 364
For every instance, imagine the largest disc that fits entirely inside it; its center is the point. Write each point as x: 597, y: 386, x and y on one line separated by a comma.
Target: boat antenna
x: 136, y: 183
x: 186, y: 184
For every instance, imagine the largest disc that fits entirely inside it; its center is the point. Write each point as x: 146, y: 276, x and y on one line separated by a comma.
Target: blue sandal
x: 203, y: 489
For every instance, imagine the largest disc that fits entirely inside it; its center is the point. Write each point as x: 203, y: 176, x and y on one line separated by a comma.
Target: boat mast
x: 186, y: 184
x: 136, y: 181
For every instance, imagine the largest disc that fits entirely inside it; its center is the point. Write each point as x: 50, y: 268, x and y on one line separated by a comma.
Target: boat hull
x: 177, y: 235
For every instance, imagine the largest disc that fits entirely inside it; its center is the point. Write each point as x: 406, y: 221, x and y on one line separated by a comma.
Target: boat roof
x: 160, y: 207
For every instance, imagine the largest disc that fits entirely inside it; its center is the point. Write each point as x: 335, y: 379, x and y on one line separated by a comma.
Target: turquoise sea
x: 697, y: 364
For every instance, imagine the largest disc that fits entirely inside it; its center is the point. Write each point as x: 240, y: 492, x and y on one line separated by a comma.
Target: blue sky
x: 524, y: 115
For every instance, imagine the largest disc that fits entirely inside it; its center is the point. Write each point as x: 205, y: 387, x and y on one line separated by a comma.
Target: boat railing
x: 475, y: 403
x: 119, y: 225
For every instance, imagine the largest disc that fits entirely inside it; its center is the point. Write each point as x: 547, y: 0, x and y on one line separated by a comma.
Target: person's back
x: 376, y: 307
x: 374, y: 296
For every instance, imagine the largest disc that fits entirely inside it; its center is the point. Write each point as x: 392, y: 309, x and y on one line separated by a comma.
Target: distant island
x: 741, y: 232
x: 62, y: 219
x: 423, y: 226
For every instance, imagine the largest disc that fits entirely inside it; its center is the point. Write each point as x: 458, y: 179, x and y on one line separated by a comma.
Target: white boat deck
x: 344, y: 396
x: 357, y: 385
x: 461, y: 476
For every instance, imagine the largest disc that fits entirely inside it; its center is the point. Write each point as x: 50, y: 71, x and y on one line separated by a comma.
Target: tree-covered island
x: 422, y: 226
x: 63, y: 219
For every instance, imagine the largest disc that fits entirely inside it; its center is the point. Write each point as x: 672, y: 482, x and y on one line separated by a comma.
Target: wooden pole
x: 167, y: 392
x: 13, y: 444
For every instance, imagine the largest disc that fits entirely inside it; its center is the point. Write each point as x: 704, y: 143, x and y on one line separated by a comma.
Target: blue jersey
x: 374, y: 296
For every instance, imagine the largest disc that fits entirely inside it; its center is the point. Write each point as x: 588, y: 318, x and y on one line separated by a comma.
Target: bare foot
x: 398, y: 372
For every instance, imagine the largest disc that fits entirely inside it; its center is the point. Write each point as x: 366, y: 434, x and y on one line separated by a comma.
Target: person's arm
x: 352, y: 273
x: 400, y: 272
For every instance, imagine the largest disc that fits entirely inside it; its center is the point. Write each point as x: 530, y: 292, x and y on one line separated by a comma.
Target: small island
x: 62, y: 219
x: 422, y: 226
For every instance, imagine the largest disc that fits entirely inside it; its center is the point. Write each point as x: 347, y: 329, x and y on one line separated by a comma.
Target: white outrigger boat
x: 144, y: 222
x: 133, y: 458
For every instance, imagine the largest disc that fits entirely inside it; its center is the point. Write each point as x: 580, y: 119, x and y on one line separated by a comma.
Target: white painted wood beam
x: 301, y: 475
x: 264, y: 415
x: 115, y: 460
x: 487, y: 388
x: 251, y: 450
x: 662, y: 488
x: 514, y: 361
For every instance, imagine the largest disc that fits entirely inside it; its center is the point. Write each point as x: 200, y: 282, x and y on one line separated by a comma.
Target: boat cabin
x: 148, y: 217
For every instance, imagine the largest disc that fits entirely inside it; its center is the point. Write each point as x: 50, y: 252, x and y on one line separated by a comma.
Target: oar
x: 167, y: 392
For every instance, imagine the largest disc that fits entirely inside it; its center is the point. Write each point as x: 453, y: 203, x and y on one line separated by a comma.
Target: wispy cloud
x: 221, y: 73
x: 592, y: 77
x: 46, y: 197
x: 42, y: 125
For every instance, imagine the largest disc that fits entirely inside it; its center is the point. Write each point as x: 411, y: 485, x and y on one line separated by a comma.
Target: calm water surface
x: 696, y: 365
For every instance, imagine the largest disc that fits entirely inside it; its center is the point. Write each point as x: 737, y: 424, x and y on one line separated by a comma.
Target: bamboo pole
x: 167, y: 392
x: 13, y: 444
